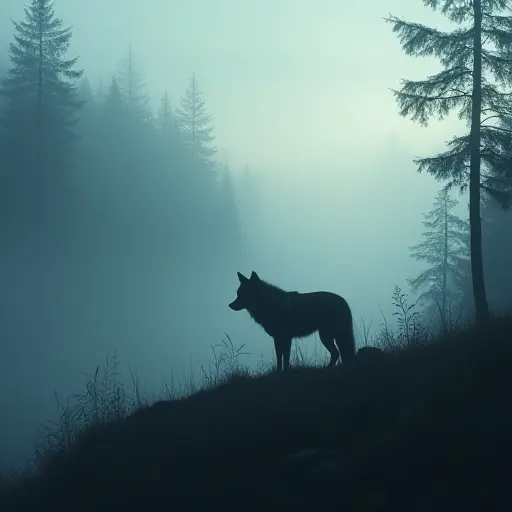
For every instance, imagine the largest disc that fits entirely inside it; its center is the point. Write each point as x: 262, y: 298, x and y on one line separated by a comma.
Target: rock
x: 370, y: 353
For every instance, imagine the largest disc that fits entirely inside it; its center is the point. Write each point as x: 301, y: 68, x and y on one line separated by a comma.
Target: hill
x: 425, y: 428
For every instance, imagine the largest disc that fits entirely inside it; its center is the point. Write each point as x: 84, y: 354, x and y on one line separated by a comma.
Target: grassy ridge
x: 421, y: 428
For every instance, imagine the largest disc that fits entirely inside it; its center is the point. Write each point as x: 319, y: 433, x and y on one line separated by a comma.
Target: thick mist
x: 310, y: 150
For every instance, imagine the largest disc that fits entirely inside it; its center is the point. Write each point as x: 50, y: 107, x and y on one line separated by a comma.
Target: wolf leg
x: 328, y: 342
x: 278, y: 344
x: 287, y: 348
x: 346, y: 344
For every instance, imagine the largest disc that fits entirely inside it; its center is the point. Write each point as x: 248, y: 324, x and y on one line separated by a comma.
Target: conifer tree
x: 445, y: 248
x: 115, y: 132
x: 132, y: 86
x: 114, y: 104
x: 476, y: 71
x: 165, y: 121
x: 194, y: 122
x: 41, y: 95
x: 40, y: 118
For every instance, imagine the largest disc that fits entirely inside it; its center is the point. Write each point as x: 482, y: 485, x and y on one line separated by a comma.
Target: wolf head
x: 246, y: 291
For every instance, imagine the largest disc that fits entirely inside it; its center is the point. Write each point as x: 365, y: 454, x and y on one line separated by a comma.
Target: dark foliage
x: 111, y: 197
x: 414, y: 429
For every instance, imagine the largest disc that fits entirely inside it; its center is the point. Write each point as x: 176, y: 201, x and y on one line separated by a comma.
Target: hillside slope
x: 422, y: 429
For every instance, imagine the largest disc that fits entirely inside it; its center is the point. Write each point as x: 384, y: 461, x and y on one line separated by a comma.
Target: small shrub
x: 104, y: 401
x: 225, y: 363
x: 409, y: 330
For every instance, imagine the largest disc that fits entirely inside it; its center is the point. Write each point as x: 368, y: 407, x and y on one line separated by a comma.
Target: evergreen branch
x: 454, y: 10
x: 502, y: 197
x: 494, y: 116
x: 498, y: 65
x: 439, y: 94
x: 422, y: 41
x: 451, y: 163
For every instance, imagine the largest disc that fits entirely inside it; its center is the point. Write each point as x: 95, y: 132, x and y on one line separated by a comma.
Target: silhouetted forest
x: 110, y: 208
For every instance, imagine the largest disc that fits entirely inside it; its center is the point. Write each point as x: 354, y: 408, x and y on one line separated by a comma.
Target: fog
x: 299, y: 92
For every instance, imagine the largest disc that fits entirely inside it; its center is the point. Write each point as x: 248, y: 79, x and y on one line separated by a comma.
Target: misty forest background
x: 122, y: 228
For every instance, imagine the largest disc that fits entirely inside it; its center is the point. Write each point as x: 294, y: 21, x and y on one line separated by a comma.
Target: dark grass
x: 425, y: 428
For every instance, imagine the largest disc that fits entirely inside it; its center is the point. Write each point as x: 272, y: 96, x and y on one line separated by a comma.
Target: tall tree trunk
x: 38, y: 173
x: 445, y: 262
x: 477, y: 269
x: 39, y: 168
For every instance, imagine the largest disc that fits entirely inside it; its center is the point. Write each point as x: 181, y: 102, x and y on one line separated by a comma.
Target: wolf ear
x: 254, y: 276
x: 241, y: 278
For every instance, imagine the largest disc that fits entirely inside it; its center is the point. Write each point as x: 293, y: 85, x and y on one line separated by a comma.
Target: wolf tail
x: 351, y: 342
x: 345, y: 339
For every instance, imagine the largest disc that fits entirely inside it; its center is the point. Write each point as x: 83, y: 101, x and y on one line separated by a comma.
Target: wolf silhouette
x: 285, y: 315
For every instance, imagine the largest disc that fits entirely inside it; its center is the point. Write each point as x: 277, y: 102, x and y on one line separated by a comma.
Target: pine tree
x: 194, y: 122
x: 114, y: 105
x: 165, y: 121
x: 475, y: 70
x: 41, y: 143
x: 115, y: 131
x: 42, y: 100
x: 131, y: 83
x: 445, y: 249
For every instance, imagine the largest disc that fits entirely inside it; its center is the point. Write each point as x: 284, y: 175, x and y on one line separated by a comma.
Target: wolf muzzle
x: 236, y: 305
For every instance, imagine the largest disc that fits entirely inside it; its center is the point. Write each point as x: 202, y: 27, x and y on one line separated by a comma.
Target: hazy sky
x: 299, y: 90
x: 289, y: 82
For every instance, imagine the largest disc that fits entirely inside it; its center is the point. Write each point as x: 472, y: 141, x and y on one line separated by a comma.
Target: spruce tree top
x: 451, y: 88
